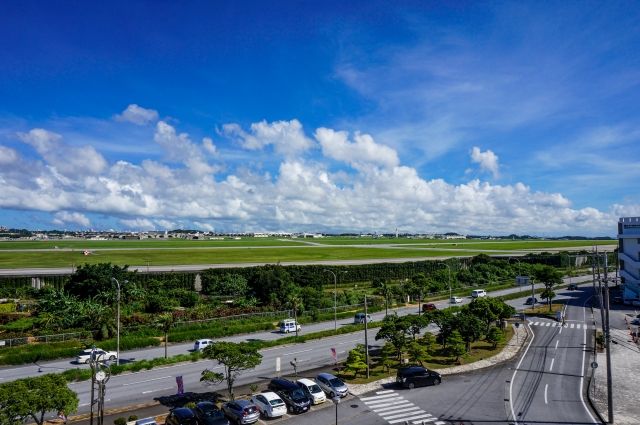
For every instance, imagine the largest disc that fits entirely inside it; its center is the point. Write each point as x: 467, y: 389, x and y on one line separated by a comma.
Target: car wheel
x: 437, y: 381
x: 332, y: 394
x: 86, y: 361
x: 411, y: 385
x: 112, y: 358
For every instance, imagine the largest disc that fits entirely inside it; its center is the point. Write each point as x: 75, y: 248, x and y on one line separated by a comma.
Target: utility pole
x: 366, y: 337
x: 608, y: 344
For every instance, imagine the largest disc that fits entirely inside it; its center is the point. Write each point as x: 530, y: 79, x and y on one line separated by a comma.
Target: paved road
x: 547, y: 386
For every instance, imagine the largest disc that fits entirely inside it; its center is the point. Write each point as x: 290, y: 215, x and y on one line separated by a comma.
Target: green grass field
x: 27, y: 254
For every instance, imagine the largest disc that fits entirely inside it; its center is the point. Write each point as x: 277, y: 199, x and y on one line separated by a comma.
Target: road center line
x: 551, y: 366
x: 146, y: 380
x: 557, y: 341
x: 546, y: 388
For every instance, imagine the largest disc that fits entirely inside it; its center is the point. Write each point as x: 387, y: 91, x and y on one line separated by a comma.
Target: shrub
x: 120, y: 421
x: 132, y: 418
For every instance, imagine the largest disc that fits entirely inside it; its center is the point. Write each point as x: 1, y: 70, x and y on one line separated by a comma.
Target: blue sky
x: 508, y: 117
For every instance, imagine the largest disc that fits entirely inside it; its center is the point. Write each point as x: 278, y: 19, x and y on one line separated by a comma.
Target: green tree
x: 444, y: 320
x: 495, y: 336
x: 383, y: 287
x: 31, y: 398
x: 94, y: 281
x: 469, y: 327
x: 548, y: 294
x: 271, y: 284
x: 165, y: 322
x: 456, y: 345
x: 235, y: 357
x: 395, y: 329
x: 417, y: 352
x: 356, y: 360
x: 388, y: 355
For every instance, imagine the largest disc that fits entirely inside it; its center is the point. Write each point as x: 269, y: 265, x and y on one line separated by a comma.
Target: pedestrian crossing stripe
x: 558, y: 324
x: 395, y: 409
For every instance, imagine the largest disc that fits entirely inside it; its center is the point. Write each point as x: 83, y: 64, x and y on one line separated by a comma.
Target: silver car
x: 241, y: 411
x: 332, y: 385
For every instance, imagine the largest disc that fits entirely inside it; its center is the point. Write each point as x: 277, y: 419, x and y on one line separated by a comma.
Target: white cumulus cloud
x: 62, y: 218
x: 487, y: 160
x: 137, y: 115
x: 286, y: 137
x: 363, y: 149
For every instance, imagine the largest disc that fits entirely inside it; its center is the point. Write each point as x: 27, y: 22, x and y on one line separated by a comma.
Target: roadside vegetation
x: 177, y: 307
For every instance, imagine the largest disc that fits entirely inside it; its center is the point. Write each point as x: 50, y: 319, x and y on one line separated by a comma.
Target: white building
x: 629, y: 257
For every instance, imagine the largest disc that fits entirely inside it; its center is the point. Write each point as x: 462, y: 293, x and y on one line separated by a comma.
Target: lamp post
x: 114, y: 280
x: 335, y: 299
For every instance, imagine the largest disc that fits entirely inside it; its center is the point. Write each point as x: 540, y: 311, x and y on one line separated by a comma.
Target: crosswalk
x: 566, y: 325
x: 395, y: 409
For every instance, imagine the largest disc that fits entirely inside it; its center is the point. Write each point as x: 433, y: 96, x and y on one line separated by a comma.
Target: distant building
x: 629, y: 257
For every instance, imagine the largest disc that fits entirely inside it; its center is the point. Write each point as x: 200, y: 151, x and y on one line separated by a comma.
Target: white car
x: 98, y: 353
x: 201, y: 344
x: 269, y: 404
x: 312, y: 390
x: 455, y: 300
x: 289, y: 325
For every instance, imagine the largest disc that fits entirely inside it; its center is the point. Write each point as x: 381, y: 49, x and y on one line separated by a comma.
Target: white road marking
x: 405, y: 412
x: 297, y: 352
x: 557, y: 341
x: 546, y: 388
x: 159, y: 389
x: 548, y: 324
x: 147, y: 380
x: 396, y: 406
x: 513, y: 377
x: 380, y: 403
x: 412, y: 418
x: 384, y: 392
x: 572, y: 325
x: 551, y: 367
x: 376, y: 397
x: 584, y: 340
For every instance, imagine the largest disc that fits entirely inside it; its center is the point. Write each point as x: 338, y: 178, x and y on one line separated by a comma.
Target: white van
x: 477, y: 293
x: 313, y: 390
x: 289, y: 325
x: 201, y: 344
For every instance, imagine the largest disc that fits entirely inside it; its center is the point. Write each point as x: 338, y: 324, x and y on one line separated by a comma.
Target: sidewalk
x: 625, y: 361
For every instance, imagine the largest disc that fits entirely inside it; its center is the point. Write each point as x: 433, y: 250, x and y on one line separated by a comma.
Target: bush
x: 132, y: 418
x: 37, y: 352
x: 120, y: 421
x: 130, y: 342
x: 159, y: 304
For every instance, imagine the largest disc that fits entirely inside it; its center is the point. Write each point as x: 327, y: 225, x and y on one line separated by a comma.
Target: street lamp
x: 114, y: 280
x: 335, y: 299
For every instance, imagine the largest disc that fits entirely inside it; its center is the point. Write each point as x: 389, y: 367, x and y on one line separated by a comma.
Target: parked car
x: 428, y: 307
x: 269, y: 404
x: 292, y: 395
x: 181, y: 416
x: 201, y: 344
x: 417, y: 376
x: 289, y: 325
x: 241, y: 411
x: 531, y: 301
x: 455, y: 300
x: 360, y: 318
x: 572, y: 286
x: 313, y: 390
x: 332, y: 385
x: 208, y: 413
x: 98, y: 353
x: 635, y: 322
x: 478, y: 293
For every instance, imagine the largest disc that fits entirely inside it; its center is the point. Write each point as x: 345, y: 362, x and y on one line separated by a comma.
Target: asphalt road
x: 144, y: 386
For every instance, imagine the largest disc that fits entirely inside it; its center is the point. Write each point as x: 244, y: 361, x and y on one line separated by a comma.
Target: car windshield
x: 314, y: 389
x: 335, y: 382
x: 276, y: 402
x: 212, y: 413
x: 297, y: 394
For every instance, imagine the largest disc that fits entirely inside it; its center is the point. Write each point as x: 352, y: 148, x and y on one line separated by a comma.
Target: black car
x: 572, y: 287
x: 292, y: 395
x: 417, y: 376
x: 208, y: 413
x: 181, y: 416
x: 531, y: 301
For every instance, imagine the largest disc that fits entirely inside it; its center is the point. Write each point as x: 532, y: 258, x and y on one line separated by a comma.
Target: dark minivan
x: 417, y: 376
x: 292, y: 395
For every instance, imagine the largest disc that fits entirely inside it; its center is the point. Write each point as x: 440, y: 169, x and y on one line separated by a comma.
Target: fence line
x: 12, y: 342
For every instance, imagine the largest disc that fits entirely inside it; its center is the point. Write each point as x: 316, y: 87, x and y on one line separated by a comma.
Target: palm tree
x: 165, y: 322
